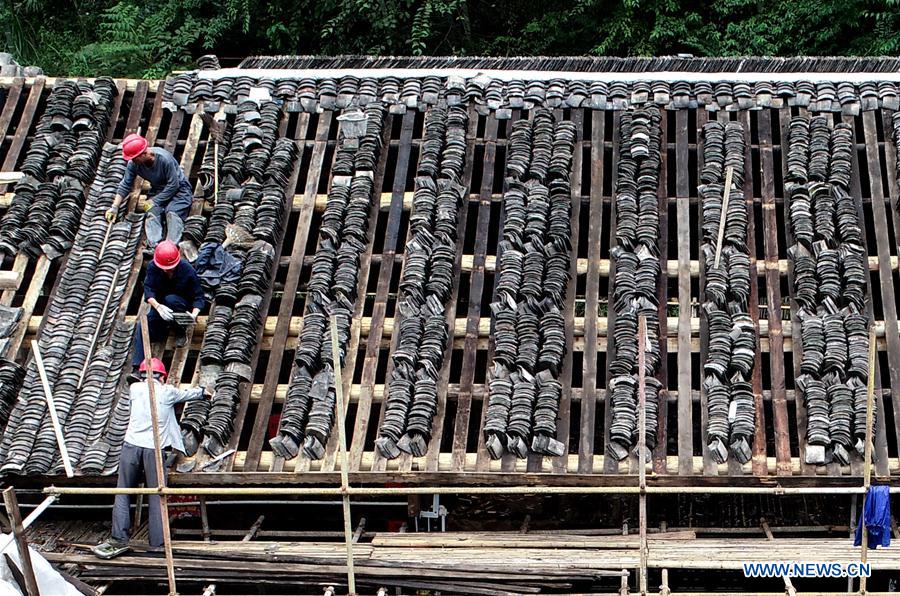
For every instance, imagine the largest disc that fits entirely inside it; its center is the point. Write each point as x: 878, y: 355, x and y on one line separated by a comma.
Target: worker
x: 137, y: 460
x: 171, y: 286
x: 170, y: 191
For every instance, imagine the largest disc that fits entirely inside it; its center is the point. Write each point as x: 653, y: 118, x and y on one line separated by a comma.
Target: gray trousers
x: 136, y: 464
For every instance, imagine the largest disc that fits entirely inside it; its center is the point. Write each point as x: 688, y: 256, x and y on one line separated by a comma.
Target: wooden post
x: 54, y: 417
x: 725, y: 195
x: 342, y: 445
x: 641, y: 446
x: 664, y: 589
x: 867, y: 458
x: 15, y: 520
x: 160, y: 473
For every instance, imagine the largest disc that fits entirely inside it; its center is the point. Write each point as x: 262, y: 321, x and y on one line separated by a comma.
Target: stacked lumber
x: 484, y: 564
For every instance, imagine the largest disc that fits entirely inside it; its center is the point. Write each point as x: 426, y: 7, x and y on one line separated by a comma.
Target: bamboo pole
x: 51, y: 406
x: 641, y: 446
x: 160, y: 473
x: 457, y: 490
x: 112, y: 286
x: 725, y: 196
x: 867, y: 457
x: 345, y: 463
x: 18, y: 532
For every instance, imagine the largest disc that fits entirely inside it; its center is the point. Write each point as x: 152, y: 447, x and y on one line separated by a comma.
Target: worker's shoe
x: 110, y: 549
x: 181, y: 337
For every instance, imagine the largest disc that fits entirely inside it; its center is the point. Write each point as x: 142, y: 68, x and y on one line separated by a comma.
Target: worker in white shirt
x: 138, y: 458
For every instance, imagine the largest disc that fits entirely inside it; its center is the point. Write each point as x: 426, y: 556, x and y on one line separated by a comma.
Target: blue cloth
x: 877, y: 517
x: 183, y: 282
x: 215, y: 265
x: 169, y: 187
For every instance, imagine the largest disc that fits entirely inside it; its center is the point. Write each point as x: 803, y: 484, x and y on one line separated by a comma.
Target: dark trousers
x: 157, y: 328
x: 136, y: 464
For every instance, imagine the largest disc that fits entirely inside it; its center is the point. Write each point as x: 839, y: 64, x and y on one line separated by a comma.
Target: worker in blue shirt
x: 171, y: 286
x: 170, y: 191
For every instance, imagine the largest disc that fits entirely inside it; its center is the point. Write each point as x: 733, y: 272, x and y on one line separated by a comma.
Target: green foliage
x: 152, y: 37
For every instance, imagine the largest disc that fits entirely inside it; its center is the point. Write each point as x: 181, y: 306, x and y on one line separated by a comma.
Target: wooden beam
x: 15, y: 518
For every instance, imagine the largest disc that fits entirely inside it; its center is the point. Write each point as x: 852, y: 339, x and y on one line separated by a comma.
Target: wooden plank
x: 10, y: 106
x: 662, y: 285
x: 385, y: 275
x: 116, y: 108
x: 888, y: 299
x: 137, y: 108
x: 437, y: 426
x: 23, y: 128
x: 313, y: 177
x: 244, y: 388
x: 155, y: 120
x: 784, y: 120
x: 682, y: 190
x: 508, y: 462
x: 483, y: 458
x: 285, y: 309
x: 349, y: 366
x: 758, y: 459
x: 892, y: 197
x: 179, y: 358
x: 733, y: 466
x: 780, y: 419
x: 710, y: 468
x: 564, y: 424
x: 476, y: 295
x: 592, y: 287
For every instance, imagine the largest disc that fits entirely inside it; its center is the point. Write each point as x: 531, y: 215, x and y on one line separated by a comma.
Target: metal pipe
x: 458, y: 490
x: 237, y: 502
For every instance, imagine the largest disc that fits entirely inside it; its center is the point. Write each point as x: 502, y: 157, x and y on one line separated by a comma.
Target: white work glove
x: 165, y: 312
x: 194, y: 315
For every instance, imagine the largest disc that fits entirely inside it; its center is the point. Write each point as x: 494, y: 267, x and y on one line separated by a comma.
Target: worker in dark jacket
x: 170, y: 191
x: 171, y: 287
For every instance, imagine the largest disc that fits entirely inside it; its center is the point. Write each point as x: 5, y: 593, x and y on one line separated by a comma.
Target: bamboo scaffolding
x: 160, y: 473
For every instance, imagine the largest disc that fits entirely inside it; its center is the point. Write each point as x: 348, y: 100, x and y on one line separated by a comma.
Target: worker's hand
x: 165, y: 312
x: 194, y: 314
x: 147, y: 205
x: 111, y: 214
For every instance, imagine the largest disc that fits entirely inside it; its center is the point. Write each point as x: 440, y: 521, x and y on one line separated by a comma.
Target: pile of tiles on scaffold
x: 309, y: 407
x: 732, y: 334
x: 637, y: 269
x: 251, y: 211
x: 425, y: 287
x: 534, y: 258
x: 78, y: 313
x: 830, y: 275
x: 58, y: 167
x: 487, y: 94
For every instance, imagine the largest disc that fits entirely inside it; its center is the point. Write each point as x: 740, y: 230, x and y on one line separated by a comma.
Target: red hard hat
x: 133, y: 145
x: 166, y: 256
x: 156, y: 364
